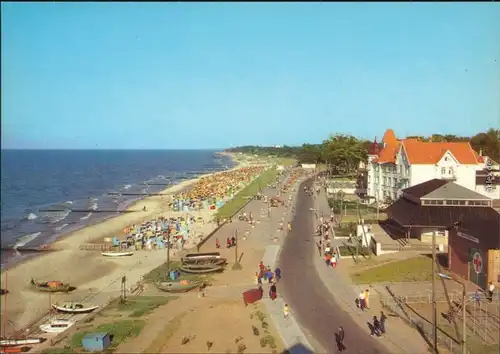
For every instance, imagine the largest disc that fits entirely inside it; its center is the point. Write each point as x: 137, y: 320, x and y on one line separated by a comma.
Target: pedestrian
x: 273, y: 292
x: 319, y: 244
x: 228, y: 243
x: 383, y: 318
x: 491, y: 290
x: 286, y: 311
x: 217, y: 243
x: 361, y: 298
x: 289, y: 225
x: 277, y: 273
x: 367, y: 298
x: 375, y: 327
x: 339, y: 338
x: 233, y: 241
x: 477, y: 297
x: 256, y: 278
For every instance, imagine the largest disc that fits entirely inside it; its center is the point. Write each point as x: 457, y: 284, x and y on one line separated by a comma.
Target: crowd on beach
x: 209, y: 193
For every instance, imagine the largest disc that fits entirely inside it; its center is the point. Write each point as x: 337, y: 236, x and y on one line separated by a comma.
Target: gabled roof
x: 425, y: 188
x: 482, y: 222
x: 429, y: 153
x: 452, y: 190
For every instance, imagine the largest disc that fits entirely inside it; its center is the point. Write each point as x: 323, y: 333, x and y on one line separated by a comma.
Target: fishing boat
x: 177, y: 287
x: 202, y: 256
x: 52, y: 286
x: 74, y: 307
x: 56, y: 326
x: 20, y: 341
x: 201, y: 268
x: 216, y: 261
x: 117, y: 254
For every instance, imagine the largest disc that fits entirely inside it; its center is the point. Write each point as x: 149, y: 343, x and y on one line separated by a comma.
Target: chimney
x: 480, y: 152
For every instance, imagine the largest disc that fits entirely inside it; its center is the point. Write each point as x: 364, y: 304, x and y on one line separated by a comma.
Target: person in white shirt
x: 491, y: 290
x: 361, y: 298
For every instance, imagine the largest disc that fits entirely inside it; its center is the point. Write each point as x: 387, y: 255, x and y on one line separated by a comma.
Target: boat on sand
x: 52, y: 286
x: 117, y: 254
x: 57, y: 326
x: 202, y: 256
x: 201, y: 268
x: 215, y: 261
x: 74, y: 307
x: 4, y: 342
x: 178, y: 286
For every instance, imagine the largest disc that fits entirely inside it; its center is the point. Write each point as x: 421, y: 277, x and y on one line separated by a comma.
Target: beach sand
x: 93, y: 275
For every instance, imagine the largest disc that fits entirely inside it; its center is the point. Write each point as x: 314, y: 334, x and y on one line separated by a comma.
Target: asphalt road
x: 311, y: 302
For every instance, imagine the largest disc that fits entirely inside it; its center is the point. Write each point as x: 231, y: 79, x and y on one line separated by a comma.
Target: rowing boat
x: 20, y: 341
x: 56, y: 326
x: 203, y: 256
x: 201, y: 268
x: 177, y: 287
x: 52, y: 286
x: 204, y: 261
x: 117, y: 254
x: 74, y: 307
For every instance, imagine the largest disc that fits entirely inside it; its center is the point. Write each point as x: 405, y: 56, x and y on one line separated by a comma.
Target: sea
x: 48, y: 193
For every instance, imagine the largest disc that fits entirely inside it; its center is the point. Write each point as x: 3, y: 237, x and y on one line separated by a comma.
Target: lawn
x: 351, y: 251
x: 120, y: 331
x: 240, y: 199
x: 140, y: 305
x: 408, y: 270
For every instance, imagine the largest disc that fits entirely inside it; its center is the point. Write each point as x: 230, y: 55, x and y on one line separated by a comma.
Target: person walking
x: 491, y: 290
x: 361, y: 299
x: 277, y: 273
x: 339, y: 338
x: 383, y: 318
x: 367, y: 298
x: 375, y: 327
x: 286, y: 311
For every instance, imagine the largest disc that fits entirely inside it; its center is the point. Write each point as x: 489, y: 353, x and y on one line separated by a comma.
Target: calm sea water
x: 32, y: 180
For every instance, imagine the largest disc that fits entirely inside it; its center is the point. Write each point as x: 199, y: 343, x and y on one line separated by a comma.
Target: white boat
x: 74, y: 307
x: 117, y: 254
x: 19, y: 342
x: 56, y: 326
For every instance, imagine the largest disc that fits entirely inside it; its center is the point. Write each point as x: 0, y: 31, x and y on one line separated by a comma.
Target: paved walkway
x: 404, y: 339
x: 307, y: 294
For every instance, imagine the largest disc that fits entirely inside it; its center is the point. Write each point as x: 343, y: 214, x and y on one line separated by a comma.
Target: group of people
x: 266, y: 274
x: 213, y: 190
x: 230, y: 242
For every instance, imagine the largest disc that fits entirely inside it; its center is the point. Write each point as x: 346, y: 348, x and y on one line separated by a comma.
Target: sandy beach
x: 93, y: 275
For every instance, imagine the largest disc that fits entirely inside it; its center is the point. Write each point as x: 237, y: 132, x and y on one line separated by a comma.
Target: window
x: 443, y: 170
x: 439, y: 202
x: 461, y: 202
x: 450, y: 171
x: 446, y: 158
x: 433, y: 202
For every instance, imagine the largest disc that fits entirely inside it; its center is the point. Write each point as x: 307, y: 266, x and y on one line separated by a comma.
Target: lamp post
x: 464, y: 311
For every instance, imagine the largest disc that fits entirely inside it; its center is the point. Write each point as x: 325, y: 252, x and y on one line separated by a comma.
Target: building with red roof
x: 404, y: 163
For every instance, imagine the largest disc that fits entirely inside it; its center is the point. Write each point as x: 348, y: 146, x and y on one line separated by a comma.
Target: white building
x: 405, y: 163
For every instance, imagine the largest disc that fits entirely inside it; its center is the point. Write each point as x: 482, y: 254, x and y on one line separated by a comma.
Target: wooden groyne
x: 95, y: 247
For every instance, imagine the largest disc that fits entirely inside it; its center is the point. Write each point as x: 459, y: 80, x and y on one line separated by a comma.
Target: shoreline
x: 93, y: 275
x: 56, y: 244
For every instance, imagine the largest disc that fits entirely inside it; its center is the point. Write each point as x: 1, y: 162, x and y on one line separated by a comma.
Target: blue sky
x: 188, y: 75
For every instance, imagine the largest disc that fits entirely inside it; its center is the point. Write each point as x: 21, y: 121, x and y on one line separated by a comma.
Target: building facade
x: 405, y: 163
x: 456, y: 216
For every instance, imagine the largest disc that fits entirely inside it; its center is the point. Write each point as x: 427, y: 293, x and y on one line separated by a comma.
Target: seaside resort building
x: 404, y: 163
x: 459, y: 217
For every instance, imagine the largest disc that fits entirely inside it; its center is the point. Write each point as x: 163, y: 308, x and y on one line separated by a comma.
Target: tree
x: 344, y: 152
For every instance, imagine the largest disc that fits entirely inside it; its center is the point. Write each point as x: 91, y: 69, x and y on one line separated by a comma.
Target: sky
x: 212, y: 75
